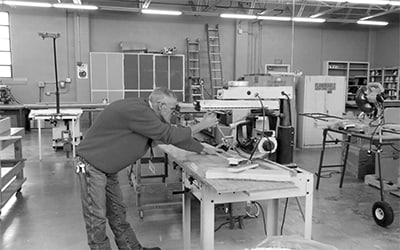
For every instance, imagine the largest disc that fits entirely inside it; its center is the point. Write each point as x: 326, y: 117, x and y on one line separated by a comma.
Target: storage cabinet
x: 119, y: 75
x: 11, y: 170
x: 376, y: 75
x: 318, y: 94
x: 389, y: 78
x: 356, y: 73
x: 391, y: 83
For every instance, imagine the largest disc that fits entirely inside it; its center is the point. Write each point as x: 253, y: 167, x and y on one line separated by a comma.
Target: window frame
x: 9, y: 48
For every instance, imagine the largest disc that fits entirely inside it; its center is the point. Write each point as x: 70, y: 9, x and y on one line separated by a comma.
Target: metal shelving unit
x: 356, y: 73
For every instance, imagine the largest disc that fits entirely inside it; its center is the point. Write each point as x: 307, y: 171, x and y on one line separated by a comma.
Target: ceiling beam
x: 328, y: 11
x: 212, y: 5
x: 391, y: 10
x: 145, y: 4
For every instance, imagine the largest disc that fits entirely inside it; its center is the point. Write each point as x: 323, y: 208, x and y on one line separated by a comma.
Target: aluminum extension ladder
x: 193, y: 70
x: 214, y: 59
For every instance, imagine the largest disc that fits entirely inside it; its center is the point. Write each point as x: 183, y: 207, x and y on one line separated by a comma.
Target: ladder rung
x: 214, y: 45
x: 194, y: 60
x: 213, y: 37
x: 212, y: 29
x: 214, y: 79
x: 215, y: 61
x: 216, y: 70
x: 215, y: 53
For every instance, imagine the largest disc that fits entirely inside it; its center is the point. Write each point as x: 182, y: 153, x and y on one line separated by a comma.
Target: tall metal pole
x: 56, y: 75
x: 54, y: 36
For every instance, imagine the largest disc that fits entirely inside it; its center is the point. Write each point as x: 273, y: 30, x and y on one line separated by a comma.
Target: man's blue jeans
x: 101, y: 201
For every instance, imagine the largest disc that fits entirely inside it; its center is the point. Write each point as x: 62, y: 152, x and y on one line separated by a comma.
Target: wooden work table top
x: 9, y: 137
x: 197, y: 164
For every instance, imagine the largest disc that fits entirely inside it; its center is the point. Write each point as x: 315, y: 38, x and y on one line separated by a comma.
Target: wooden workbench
x: 11, y: 170
x: 218, y: 191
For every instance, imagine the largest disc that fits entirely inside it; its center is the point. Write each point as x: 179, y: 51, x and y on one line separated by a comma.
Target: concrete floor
x: 46, y: 215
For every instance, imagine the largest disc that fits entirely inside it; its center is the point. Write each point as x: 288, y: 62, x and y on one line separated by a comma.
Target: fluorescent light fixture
x: 27, y: 4
x: 274, y: 18
x: 74, y: 6
x: 374, y: 2
x: 395, y: 3
x: 316, y: 15
x: 308, y: 20
x: 237, y: 16
x: 378, y: 23
x: 162, y: 12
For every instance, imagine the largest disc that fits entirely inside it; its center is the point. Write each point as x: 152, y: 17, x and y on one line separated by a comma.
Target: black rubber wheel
x: 382, y: 213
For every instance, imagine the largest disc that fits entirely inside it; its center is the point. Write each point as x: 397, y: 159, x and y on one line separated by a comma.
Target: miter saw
x: 369, y: 99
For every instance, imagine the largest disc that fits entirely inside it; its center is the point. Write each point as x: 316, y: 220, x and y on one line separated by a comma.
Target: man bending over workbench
x: 122, y: 134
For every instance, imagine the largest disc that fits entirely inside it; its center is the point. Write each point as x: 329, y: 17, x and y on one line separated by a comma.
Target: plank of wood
x: 242, y: 167
x: 251, y: 174
x: 5, y: 126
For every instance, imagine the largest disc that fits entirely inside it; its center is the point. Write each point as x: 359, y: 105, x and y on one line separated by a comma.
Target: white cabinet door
x: 318, y: 94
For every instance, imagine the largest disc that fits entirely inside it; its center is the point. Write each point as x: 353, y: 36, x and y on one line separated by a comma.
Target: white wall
x: 102, y: 31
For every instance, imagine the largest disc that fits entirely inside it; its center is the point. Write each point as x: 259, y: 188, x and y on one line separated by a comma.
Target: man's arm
x: 208, y: 120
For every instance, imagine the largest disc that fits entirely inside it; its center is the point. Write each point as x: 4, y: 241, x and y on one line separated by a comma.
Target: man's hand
x: 211, y: 151
x: 208, y: 120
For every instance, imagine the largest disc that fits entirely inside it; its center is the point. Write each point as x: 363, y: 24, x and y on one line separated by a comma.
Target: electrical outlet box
x: 41, y: 84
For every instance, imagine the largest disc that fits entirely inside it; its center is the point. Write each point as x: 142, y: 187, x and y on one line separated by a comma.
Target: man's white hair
x: 160, y: 93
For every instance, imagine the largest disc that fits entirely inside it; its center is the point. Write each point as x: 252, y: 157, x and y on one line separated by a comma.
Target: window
x: 5, y: 48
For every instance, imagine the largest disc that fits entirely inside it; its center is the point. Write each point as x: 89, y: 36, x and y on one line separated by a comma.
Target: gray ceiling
x: 332, y: 11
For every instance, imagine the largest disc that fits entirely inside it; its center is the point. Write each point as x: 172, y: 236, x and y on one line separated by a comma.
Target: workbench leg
x: 186, y: 202
x: 207, y: 220
x: 321, y: 159
x: 18, y: 156
x: 346, y: 154
x: 39, y: 139
x: 308, y: 209
x: 272, y: 217
x: 73, y: 137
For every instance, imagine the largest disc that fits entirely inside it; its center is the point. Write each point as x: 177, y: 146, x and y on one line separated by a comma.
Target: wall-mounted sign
x: 325, y: 86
